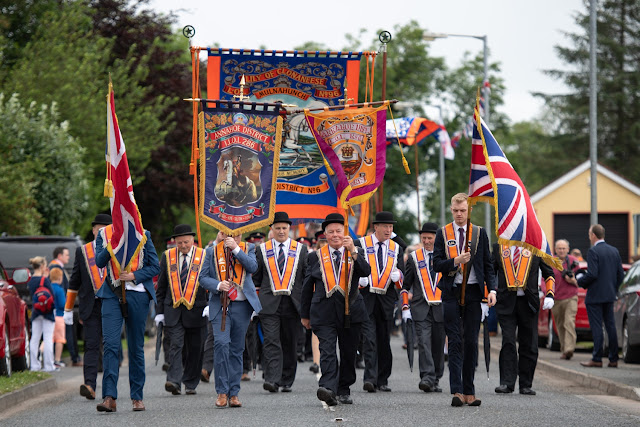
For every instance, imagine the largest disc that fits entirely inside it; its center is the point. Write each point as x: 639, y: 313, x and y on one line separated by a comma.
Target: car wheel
x: 630, y: 354
x: 5, y: 363
x: 23, y: 363
x: 553, y: 343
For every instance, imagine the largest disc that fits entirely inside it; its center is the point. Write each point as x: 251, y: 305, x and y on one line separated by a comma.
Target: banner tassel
x: 406, y: 165
x: 108, y: 188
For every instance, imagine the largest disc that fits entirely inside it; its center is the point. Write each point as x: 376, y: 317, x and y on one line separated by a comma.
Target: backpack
x: 43, y: 299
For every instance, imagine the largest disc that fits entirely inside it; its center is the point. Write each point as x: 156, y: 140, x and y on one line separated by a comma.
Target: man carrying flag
x: 126, y: 250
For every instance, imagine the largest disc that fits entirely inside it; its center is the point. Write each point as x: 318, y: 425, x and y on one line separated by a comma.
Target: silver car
x: 626, y: 311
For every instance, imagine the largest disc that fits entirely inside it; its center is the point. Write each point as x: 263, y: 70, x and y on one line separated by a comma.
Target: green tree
x: 42, y: 177
x: 618, y: 90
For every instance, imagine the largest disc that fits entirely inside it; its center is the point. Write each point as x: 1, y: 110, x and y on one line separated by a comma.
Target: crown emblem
x: 347, y: 151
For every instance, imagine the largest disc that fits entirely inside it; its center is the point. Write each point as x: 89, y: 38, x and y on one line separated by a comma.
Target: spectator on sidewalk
x: 59, y: 300
x: 566, y: 299
x: 42, y: 321
x: 575, y: 252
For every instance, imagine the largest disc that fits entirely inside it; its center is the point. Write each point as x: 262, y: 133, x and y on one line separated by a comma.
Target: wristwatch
x: 355, y: 253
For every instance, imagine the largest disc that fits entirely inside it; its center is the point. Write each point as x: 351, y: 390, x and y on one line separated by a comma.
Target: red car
x: 547, y: 331
x: 14, y: 323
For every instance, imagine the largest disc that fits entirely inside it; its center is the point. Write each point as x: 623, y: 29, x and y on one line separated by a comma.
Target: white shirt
x: 385, y: 246
x: 286, y: 243
x: 472, y: 272
x: 187, y: 256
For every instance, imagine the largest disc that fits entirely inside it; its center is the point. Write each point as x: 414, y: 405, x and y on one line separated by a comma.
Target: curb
x: 32, y: 390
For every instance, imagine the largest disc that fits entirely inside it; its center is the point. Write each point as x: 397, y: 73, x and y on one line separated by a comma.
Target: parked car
x: 547, y: 331
x: 626, y: 311
x: 14, y: 323
x: 15, y: 252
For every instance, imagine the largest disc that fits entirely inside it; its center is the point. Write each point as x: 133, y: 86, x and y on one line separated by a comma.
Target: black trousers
x: 377, y: 347
x: 92, y: 328
x: 430, y: 336
x: 190, y: 341
x: 338, y: 378
x: 279, y: 350
x: 207, y: 353
x: 462, y: 326
x: 521, y: 361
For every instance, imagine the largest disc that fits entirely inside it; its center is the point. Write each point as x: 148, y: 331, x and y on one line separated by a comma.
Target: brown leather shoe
x: 613, y: 364
x: 78, y: 363
x: 221, y: 401
x: 245, y: 377
x: 137, y: 405
x: 204, y: 376
x: 107, y: 405
x: 569, y: 354
x: 471, y: 400
x: 591, y: 364
x: 87, y: 391
x: 457, y: 400
x: 234, y: 402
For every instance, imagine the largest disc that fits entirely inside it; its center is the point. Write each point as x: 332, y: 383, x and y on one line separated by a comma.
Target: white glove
x: 406, y: 314
x: 159, y: 319
x: 205, y: 312
x: 68, y: 317
x: 254, y: 314
x: 485, y: 311
x: 364, y: 281
x: 395, y: 275
x: 548, y: 303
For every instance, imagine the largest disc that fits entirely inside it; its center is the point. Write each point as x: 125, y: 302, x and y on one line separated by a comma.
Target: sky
x: 521, y: 35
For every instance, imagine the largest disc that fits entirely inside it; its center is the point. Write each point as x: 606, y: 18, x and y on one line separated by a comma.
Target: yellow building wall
x: 575, y: 197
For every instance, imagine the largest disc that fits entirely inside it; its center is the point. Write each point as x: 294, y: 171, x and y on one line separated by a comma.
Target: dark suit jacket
x: 482, y: 263
x: 604, y: 274
x: 150, y: 267
x: 387, y: 300
x: 81, y: 281
x: 506, y: 299
x: 269, y: 301
x: 419, y: 306
x: 330, y: 311
x: 189, y: 318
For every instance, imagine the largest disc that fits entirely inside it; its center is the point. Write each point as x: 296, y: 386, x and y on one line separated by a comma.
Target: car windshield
x: 631, y: 282
x: 16, y: 253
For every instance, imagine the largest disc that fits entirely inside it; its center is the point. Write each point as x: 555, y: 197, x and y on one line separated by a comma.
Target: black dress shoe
x: 173, y: 388
x: 270, y: 387
x: 327, y: 396
x: 384, y: 388
x: 314, y: 368
x: 286, y: 389
x: 369, y: 387
x: 345, y: 399
x: 503, y: 389
x: 425, y: 386
x: 527, y: 391
x: 437, y: 389
x: 165, y: 367
x: 190, y: 392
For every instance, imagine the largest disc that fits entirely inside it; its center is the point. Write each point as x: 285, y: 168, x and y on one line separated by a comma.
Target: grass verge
x: 19, y: 380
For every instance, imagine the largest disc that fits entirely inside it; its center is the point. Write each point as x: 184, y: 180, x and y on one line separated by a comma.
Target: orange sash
x: 221, y: 265
x: 95, y: 273
x: 334, y: 280
x: 430, y: 290
x: 281, y: 281
x: 114, y: 272
x: 451, y: 241
x: 516, y: 278
x: 186, y: 296
x: 379, y: 282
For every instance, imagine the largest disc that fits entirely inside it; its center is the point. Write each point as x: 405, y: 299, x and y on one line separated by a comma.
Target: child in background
x: 59, y: 300
x: 42, y: 323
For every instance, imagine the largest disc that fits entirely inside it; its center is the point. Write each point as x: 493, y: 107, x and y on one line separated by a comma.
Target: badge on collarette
x: 451, y: 242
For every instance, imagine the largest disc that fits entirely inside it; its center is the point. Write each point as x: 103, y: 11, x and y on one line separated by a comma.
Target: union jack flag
x: 492, y: 179
x: 128, y: 234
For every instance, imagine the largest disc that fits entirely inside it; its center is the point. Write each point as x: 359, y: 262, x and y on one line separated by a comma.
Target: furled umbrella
x: 486, y: 344
x: 407, y: 328
x: 159, y: 341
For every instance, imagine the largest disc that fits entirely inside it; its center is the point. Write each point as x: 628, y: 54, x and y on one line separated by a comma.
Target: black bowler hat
x: 320, y: 235
x: 102, y: 219
x: 303, y: 239
x: 281, y: 217
x: 182, y: 230
x: 384, y: 217
x: 332, y: 218
x: 254, y: 236
x: 429, y: 227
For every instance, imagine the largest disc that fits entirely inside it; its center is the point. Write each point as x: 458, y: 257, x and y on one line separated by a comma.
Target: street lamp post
x: 433, y: 36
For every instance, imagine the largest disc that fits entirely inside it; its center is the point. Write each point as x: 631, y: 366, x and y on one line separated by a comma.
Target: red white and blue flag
x: 445, y: 142
x: 128, y: 234
x: 492, y: 179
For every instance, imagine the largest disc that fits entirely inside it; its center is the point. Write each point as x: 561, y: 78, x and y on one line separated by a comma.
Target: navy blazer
x: 209, y: 279
x: 604, y: 274
x: 81, y: 281
x: 145, y: 274
x: 482, y: 263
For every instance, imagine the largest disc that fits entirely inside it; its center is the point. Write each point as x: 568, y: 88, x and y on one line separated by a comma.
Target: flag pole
x: 347, y: 315
x: 384, y: 37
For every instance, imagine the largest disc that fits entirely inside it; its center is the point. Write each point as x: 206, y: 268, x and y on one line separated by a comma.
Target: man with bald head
x: 566, y: 299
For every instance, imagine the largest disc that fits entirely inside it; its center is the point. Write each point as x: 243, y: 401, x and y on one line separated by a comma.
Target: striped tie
x: 516, y: 256
x: 281, y: 258
x: 184, y: 271
x: 432, y: 273
x: 380, y: 261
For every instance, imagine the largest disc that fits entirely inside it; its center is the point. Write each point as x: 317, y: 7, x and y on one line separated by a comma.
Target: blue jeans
x: 138, y: 306
x: 598, y: 313
x: 228, y: 347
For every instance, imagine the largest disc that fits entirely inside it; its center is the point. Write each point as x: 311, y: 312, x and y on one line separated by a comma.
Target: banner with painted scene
x: 354, y: 143
x: 239, y: 159
x: 299, y: 80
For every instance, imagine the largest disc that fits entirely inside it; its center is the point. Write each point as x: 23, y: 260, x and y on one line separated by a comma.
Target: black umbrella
x: 251, y: 343
x: 407, y: 329
x: 487, y: 344
x: 159, y: 341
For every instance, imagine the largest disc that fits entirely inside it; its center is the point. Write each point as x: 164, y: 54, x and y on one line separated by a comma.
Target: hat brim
x: 93, y: 224
x: 286, y: 221
x: 427, y: 231
x: 191, y: 233
x: 384, y: 222
x: 331, y: 221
